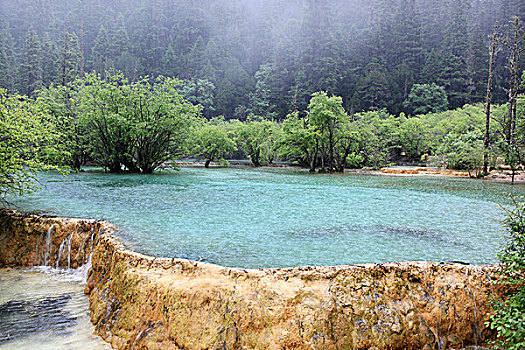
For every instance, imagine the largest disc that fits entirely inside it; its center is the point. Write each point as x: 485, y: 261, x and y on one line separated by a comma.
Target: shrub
x: 508, y: 316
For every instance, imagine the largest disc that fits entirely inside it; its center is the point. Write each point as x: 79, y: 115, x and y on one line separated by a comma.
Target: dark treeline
x: 262, y: 57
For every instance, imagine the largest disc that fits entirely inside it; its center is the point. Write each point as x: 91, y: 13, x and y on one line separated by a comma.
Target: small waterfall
x: 66, y: 244
x: 47, y: 248
x: 69, y: 251
x: 60, y: 250
x: 92, y: 238
x: 83, y: 271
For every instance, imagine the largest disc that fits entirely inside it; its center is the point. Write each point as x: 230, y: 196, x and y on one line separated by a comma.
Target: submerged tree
x: 212, y: 141
x: 135, y: 126
x: 257, y: 138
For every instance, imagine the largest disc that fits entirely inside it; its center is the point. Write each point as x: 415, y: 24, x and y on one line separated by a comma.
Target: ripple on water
x: 45, y: 308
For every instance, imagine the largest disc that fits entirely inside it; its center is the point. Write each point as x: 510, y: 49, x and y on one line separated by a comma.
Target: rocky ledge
x: 141, y: 302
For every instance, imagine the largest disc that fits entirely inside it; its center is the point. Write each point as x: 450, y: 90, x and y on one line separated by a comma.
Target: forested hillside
x: 262, y: 57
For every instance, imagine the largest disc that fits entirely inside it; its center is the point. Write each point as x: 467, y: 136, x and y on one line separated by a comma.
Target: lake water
x: 256, y: 218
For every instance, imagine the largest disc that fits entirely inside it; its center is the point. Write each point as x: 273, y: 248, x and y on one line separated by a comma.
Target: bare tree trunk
x: 488, y: 100
x: 513, y: 41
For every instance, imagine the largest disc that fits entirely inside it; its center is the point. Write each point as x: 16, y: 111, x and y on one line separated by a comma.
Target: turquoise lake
x: 252, y: 218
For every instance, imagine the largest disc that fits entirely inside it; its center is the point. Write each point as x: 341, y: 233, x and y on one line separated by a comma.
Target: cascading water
x: 83, y: 271
x: 60, y: 250
x: 69, y: 251
x: 45, y: 308
x: 44, y: 252
x: 45, y: 305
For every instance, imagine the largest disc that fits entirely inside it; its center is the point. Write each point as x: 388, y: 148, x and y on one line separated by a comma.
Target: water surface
x: 279, y: 217
x: 45, y: 309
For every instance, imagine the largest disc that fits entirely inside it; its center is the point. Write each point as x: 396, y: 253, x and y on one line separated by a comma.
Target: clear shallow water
x: 45, y: 309
x: 275, y: 217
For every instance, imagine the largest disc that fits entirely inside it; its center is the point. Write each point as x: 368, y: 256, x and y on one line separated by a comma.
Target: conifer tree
x: 69, y: 58
x: 31, y: 68
x: 7, y: 60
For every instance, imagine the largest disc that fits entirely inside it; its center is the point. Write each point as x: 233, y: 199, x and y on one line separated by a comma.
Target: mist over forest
x: 262, y: 57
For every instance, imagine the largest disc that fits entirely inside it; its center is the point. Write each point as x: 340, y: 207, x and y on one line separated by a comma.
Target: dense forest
x: 261, y: 57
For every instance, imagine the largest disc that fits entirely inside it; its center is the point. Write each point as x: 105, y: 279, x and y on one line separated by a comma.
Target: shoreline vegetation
x: 501, y: 174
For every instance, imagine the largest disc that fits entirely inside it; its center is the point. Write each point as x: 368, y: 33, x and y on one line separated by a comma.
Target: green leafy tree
x: 299, y: 141
x: 27, y: 144
x: 61, y: 103
x: 161, y: 119
x: 425, y: 98
x: 376, y: 137
x: 464, y: 152
x: 325, y: 115
x: 100, y: 112
x: 413, y: 137
x: 257, y: 138
x: 213, y: 141
x: 135, y: 126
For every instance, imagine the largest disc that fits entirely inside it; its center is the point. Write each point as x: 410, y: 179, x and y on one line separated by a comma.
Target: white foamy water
x: 45, y: 308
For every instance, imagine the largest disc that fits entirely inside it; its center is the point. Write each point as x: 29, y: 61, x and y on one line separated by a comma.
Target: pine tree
x: 49, y: 59
x: 454, y: 50
x: 69, y: 58
x: 7, y: 60
x: 31, y: 68
x: 100, y: 53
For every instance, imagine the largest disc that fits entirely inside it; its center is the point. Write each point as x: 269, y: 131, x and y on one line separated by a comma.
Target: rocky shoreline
x: 142, y: 302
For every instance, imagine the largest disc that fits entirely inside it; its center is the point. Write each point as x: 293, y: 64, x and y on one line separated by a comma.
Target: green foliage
x: 200, y: 91
x: 135, y: 125
x: 257, y: 139
x: 326, y: 116
x: 425, y: 98
x: 463, y: 151
x: 213, y: 141
x: 376, y: 137
x: 299, y: 141
x: 263, y: 58
x: 61, y: 103
x: 508, y: 316
x: 413, y: 137
x: 27, y: 144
